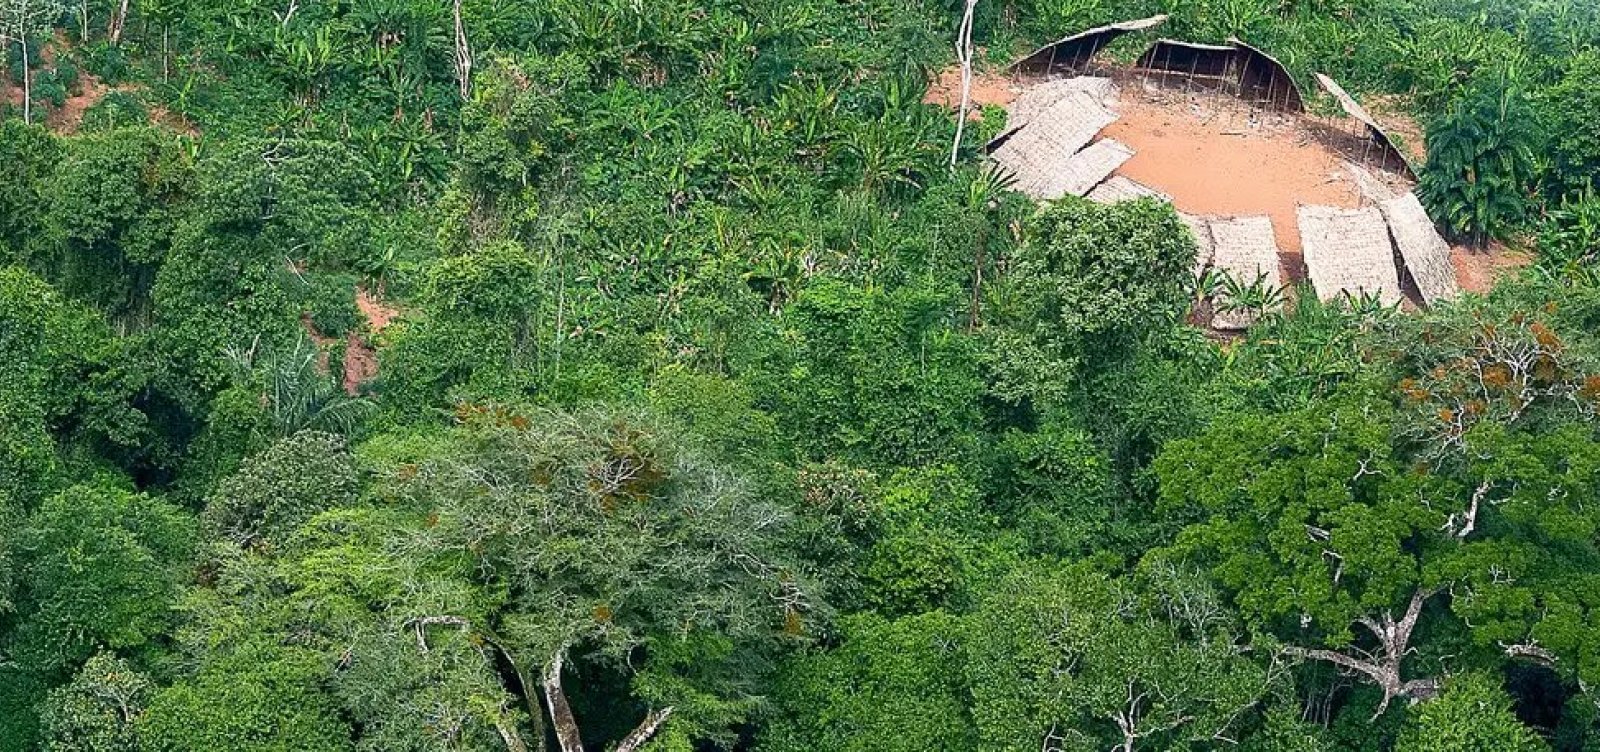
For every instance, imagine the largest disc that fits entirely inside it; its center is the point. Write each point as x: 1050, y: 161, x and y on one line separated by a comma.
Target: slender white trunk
x: 964, y: 55
x: 118, y: 20
x: 463, y: 55
x: 27, y: 81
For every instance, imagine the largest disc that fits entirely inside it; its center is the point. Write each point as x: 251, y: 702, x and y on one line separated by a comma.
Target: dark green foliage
x: 1571, y: 110
x: 1480, y: 174
x: 110, y: 205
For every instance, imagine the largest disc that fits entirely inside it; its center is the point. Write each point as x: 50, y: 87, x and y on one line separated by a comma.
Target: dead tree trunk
x: 566, y: 726
x: 463, y: 55
x: 963, y: 54
x: 1382, y: 667
x: 27, y: 80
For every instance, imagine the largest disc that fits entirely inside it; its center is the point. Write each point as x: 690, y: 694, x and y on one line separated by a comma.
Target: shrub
x: 1480, y: 167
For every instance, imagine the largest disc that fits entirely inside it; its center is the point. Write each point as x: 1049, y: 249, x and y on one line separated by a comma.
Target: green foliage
x: 1480, y: 172
x: 890, y: 685
x: 1473, y: 714
x: 263, y: 698
x: 1071, y: 655
x: 1090, y: 278
x: 97, y: 711
x: 925, y: 467
x: 1571, y: 111
x: 280, y: 489
x: 110, y: 202
x: 100, y: 568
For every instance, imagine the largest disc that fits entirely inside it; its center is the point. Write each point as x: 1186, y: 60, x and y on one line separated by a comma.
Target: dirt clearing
x: 1214, y: 156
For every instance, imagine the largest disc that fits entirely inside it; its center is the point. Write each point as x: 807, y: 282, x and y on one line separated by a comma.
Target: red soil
x: 1478, y: 269
x: 360, y: 359
x: 1215, y: 156
x: 987, y: 89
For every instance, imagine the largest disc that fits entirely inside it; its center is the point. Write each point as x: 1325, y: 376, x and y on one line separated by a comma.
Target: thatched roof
x: 1075, y: 49
x: 1177, y: 56
x: 1039, y: 154
x: 1205, y: 247
x: 1354, y: 109
x: 1117, y: 189
x: 1246, y: 249
x: 1348, y: 251
x: 1088, y: 168
x: 1426, y: 254
x: 1263, y: 77
x: 1092, y: 92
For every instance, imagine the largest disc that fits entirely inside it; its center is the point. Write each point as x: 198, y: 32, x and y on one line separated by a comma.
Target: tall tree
x: 20, y: 22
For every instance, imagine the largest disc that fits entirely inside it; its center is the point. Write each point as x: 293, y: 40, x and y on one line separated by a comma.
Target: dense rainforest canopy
x: 640, y: 375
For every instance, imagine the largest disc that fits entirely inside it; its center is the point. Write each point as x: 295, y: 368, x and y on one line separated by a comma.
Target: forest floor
x: 360, y: 357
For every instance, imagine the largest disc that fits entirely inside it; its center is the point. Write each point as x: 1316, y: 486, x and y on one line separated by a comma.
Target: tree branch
x: 561, y: 718
x: 645, y: 730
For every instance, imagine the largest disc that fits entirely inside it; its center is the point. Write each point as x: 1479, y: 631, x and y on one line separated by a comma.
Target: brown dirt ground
x: 1478, y: 269
x: 988, y: 88
x: 360, y: 359
x: 1214, y: 156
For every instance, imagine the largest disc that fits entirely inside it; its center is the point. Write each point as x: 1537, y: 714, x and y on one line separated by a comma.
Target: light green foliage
x: 1473, y: 715
x: 98, y: 710
x: 280, y: 489
x: 262, y: 698
x: 934, y: 541
x: 926, y: 467
x: 1089, y: 662
x: 608, y: 539
x: 66, y: 386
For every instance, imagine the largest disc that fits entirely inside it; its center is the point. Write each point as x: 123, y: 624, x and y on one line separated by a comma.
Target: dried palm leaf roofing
x: 1348, y: 252
x: 1074, y: 49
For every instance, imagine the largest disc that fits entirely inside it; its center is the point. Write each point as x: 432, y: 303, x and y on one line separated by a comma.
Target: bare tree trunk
x: 509, y: 735
x: 566, y: 726
x: 644, y: 731
x: 463, y: 55
x: 27, y: 80
x: 118, y: 20
x: 964, y: 55
x: 1383, y: 668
